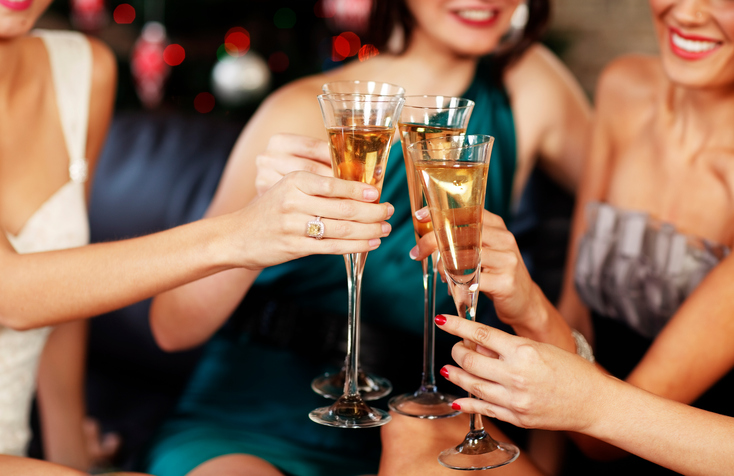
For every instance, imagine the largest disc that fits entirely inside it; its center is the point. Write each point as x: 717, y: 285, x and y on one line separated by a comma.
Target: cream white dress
x: 61, y: 222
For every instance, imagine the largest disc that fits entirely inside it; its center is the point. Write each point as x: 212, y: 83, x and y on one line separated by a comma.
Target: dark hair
x: 388, y: 14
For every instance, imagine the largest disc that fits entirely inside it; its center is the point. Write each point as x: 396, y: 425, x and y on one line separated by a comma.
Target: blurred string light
x: 124, y: 14
x: 150, y: 71
x: 351, y: 15
x: 240, y: 75
x: 88, y: 15
x: 204, y: 102
x: 284, y: 18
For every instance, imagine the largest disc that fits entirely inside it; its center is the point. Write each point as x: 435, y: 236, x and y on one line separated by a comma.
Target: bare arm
x: 552, y: 118
x: 188, y: 316
x: 536, y: 385
x: 61, y: 395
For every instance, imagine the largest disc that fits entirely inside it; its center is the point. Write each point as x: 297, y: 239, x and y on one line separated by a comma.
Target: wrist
x: 545, y: 324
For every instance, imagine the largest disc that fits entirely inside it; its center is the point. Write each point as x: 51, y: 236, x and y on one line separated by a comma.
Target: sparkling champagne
x: 410, y: 133
x: 455, y: 193
x: 359, y: 153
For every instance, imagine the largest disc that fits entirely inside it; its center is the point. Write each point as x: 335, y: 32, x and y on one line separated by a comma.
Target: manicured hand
x: 526, y: 383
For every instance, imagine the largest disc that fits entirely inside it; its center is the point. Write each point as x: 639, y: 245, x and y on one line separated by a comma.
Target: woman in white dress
x: 56, y: 100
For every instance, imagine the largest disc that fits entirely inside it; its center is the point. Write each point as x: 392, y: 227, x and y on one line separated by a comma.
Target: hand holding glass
x: 454, y: 177
x: 331, y: 385
x: 360, y: 130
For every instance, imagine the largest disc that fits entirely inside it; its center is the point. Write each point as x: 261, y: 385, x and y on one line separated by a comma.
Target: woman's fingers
x: 488, y: 337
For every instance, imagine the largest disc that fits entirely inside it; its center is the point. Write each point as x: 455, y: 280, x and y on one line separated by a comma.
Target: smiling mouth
x: 16, y: 4
x: 693, y: 46
x: 477, y: 15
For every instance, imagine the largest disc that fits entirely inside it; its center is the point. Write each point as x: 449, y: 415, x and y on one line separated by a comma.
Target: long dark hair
x: 387, y: 15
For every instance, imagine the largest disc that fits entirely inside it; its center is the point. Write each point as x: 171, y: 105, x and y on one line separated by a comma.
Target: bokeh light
x: 278, y: 62
x: 354, y: 42
x: 204, y: 102
x: 367, y: 52
x: 124, y: 14
x: 174, y: 55
x: 322, y: 9
x: 339, y: 48
x: 284, y: 18
x: 237, y: 41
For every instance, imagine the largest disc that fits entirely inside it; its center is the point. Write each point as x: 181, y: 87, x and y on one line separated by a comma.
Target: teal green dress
x: 254, y: 398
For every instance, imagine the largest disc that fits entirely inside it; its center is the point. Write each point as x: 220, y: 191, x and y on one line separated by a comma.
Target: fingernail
x: 455, y: 406
x: 390, y: 210
x: 440, y: 320
x: 444, y: 372
x: 371, y: 194
x: 386, y: 228
x: 422, y: 213
x: 374, y: 243
x: 414, y: 253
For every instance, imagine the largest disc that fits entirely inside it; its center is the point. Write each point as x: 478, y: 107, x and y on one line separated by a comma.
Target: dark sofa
x: 156, y: 171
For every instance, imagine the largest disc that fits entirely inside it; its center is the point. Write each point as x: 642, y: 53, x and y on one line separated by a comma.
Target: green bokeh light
x: 284, y: 18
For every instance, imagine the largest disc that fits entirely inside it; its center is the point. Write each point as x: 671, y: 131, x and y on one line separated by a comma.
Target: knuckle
x: 347, y: 208
x: 468, y: 362
x: 481, y: 334
x: 477, y: 390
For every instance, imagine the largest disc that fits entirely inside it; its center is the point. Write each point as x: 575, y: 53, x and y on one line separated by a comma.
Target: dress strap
x: 70, y: 55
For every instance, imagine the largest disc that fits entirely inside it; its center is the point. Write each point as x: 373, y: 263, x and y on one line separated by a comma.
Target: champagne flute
x: 454, y: 177
x: 428, y: 117
x: 331, y: 385
x: 360, y: 129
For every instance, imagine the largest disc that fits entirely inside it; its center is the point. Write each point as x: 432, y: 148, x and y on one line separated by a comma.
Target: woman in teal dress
x: 246, y: 408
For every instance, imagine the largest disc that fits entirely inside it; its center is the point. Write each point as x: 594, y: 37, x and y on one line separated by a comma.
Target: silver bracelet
x: 582, y: 346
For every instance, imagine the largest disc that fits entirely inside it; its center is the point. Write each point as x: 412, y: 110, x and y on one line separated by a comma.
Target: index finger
x: 300, y: 146
x: 481, y: 334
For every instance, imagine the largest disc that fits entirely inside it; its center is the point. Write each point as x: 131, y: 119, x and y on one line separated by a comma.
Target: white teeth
x: 476, y: 15
x: 693, y: 46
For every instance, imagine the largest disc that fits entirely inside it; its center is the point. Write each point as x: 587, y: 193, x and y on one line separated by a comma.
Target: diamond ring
x: 315, y: 228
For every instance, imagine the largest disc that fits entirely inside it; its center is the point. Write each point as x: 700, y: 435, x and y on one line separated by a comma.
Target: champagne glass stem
x: 355, y: 267
x: 430, y: 268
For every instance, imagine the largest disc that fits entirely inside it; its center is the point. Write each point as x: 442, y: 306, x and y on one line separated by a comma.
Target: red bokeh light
x: 367, y: 52
x: 278, y: 62
x: 339, y: 48
x: 237, y: 41
x: 354, y: 42
x: 124, y: 14
x: 174, y: 55
x: 204, y: 102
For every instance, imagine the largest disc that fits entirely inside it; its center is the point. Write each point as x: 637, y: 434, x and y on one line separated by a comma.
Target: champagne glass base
x: 479, y: 452
x: 424, y: 404
x: 371, y: 387
x: 349, y: 411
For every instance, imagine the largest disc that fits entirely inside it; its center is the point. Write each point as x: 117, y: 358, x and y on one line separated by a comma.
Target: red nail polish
x: 455, y: 406
x: 440, y: 320
x: 445, y: 372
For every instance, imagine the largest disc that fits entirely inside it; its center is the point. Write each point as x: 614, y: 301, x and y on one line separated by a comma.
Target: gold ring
x: 315, y: 228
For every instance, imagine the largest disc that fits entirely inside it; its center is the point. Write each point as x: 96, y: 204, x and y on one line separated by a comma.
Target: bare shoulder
x: 104, y: 67
x: 540, y: 70
x: 293, y: 108
x: 103, y: 59
x: 628, y: 85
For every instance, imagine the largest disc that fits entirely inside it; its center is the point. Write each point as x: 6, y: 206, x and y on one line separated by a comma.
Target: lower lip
x: 16, y: 5
x: 488, y: 22
x: 688, y: 55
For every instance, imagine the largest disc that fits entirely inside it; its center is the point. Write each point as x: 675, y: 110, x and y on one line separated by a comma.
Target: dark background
x: 199, y: 26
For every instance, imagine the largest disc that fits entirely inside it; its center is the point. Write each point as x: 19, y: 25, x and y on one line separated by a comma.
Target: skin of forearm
x: 187, y: 316
x: 685, y: 439
x: 40, y: 289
